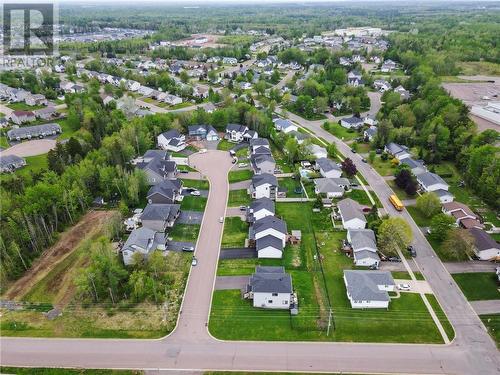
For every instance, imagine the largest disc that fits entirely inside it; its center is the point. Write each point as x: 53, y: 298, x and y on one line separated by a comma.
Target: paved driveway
x: 230, y: 282
x: 31, y: 148
x: 203, y: 193
x: 177, y: 245
x: 235, y: 212
x: 190, y: 217
x: 239, y: 253
x: 240, y: 185
x: 416, y: 286
x: 486, y: 307
x: 470, y: 266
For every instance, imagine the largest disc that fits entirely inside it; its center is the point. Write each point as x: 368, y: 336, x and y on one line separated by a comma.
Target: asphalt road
x: 190, y: 346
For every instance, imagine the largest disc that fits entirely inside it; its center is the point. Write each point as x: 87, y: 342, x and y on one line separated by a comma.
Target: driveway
x: 177, y: 245
x: 486, y: 307
x: 30, y: 148
x: 238, y: 253
x: 240, y: 185
x: 416, y: 286
x: 191, y: 175
x: 230, y: 282
x: 235, y: 212
x: 470, y: 266
x: 190, y: 217
x: 187, y: 193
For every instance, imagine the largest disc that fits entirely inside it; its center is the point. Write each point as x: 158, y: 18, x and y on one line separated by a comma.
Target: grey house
x: 167, y: 191
x: 207, y: 132
x: 263, y: 163
x: 270, y: 288
x: 260, y: 208
x: 157, y: 166
x: 9, y: 163
x: 35, y: 131
x: 368, y: 289
x: 159, y: 217
x: 144, y: 241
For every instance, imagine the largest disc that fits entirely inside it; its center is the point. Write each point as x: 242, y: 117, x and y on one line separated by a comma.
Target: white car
x: 203, y: 150
x: 242, y: 165
x: 221, y: 219
x: 195, y: 193
x: 194, y: 261
x: 404, y: 287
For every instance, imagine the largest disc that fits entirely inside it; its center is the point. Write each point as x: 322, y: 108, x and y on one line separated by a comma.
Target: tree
x: 440, y: 225
x: 291, y: 149
x: 349, y: 168
x: 394, y: 234
x: 260, y: 87
x: 371, y: 156
x: 459, y: 244
x: 332, y: 150
x: 184, y: 76
x: 428, y: 204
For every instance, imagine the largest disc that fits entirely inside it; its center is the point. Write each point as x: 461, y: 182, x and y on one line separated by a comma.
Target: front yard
x: 184, y: 232
x: 225, y: 145
x: 383, y: 168
x: 492, y: 323
x: 418, y: 217
x: 340, y: 132
x: 240, y: 175
x: 235, y: 232
x: 238, y: 198
x: 196, y: 184
x: 478, y: 286
x: 192, y: 203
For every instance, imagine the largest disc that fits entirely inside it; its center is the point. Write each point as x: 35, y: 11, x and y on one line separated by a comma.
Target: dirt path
x: 68, y: 242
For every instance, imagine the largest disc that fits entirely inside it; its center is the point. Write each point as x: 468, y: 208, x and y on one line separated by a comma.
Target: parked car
x: 394, y: 259
x: 405, y: 287
x: 412, y: 251
x: 184, y: 171
x: 243, y: 208
x: 242, y: 165
x: 378, y: 151
x: 188, y: 248
x: 353, y: 150
x: 203, y: 150
x: 364, y: 160
x: 235, y: 160
x: 221, y: 219
x: 373, y: 267
x: 195, y: 193
x: 194, y: 261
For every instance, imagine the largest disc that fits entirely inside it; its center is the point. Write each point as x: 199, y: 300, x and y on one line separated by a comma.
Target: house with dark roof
x: 46, y: 113
x: 397, y: 151
x: 259, y: 142
x: 144, y: 241
x: 172, y: 140
x: 485, y: 246
x: 167, y: 191
x: 264, y: 185
x: 416, y: 166
x: 263, y: 163
x: 268, y: 226
x: 207, y: 132
x: 235, y: 132
x: 351, y: 214
x: 270, y: 288
x: 368, y: 289
x: 269, y: 247
x: 462, y: 214
x: 35, y: 131
x: 352, y: 122
x: 159, y: 217
x: 370, y: 133
x: 10, y: 163
x: 157, y: 166
x: 284, y: 125
x: 328, y: 187
x: 364, y: 247
x: 328, y: 168
x: 260, y: 208
x: 429, y: 181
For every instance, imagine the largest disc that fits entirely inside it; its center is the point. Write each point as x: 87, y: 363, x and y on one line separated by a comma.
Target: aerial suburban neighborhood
x: 307, y: 187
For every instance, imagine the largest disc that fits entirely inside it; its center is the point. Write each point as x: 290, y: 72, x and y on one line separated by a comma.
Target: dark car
x: 412, y: 251
x: 353, y: 150
x: 378, y: 151
x: 364, y: 160
x: 184, y: 171
x: 394, y: 259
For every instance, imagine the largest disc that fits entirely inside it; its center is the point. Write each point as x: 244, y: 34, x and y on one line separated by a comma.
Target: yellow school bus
x: 398, y: 205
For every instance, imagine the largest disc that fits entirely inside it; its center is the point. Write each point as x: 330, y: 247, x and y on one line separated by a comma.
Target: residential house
x: 368, y: 289
x: 397, y: 151
x: 157, y: 166
x: 317, y: 151
x: 200, y: 92
x: 270, y: 288
x: 269, y: 247
x: 462, y: 214
x: 172, y: 99
x: 106, y: 99
x: 46, y: 113
x: 403, y: 93
x: 172, y: 140
x: 354, y: 78
x: 159, y: 216
x: 20, y: 117
x: 35, y: 99
x: 328, y: 168
x: 229, y: 61
x: 144, y: 241
x: 351, y: 214
x: 264, y: 185
x: 444, y: 196
x: 263, y: 163
x: 207, y: 132
x: 35, y: 131
x: 370, y: 133
x: 370, y: 120
x: 208, y: 107
x: 235, y: 132
x: 328, y: 187
x: 10, y: 163
x: 485, y: 247
x: 165, y: 192
x: 285, y: 125
x: 429, y: 181
x: 388, y: 66
x: 268, y: 226
x: 352, y: 122
x: 299, y: 137
x: 260, y: 208
x: 381, y: 85
x: 416, y: 166
x: 364, y: 247
x: 133, y: 85
x: 259, y: 142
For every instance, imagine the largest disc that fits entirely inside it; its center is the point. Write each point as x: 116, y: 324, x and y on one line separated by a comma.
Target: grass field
x: 492, y: 323
x: 448, y: 328
x: 190, y: 203
x: 419, y: 218
x: 360, y: 196
x: 478, y: 286
x: 240, y: 175
x: 291, y: 184
x: 406, y: 276
x: 341, y: 132
x: 21, y: 106
x: 225, y: 145
x: 196, y: 184
x: 401, y: 194
x: 184, y: 232
x: 472, y: 68
x: 238, y: 198
x: 406, y: 320
x: 383, y: 168
x: 64, y: 371
x: 235, y: 232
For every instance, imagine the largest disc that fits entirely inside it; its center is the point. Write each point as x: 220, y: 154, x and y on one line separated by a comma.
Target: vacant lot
x: 478, y: 285
x: 341, y: 132
x: 472, y: 92
x: 240, y: 175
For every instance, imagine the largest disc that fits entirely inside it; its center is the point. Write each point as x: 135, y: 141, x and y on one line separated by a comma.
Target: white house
x: 269, y: 247
x: 270, y: 288
x: 327, y: 168
x: 485, y: 247
x: 269, y: 226
x: 317, y: 151
x: 352, y: 122
x: 172, y: 140
x: 351, y: 214
x: 328, y: 187
x: 260, y: 208
x: 429, y: 181
x: 285, y: 125
x: 264, y: 185
x: 370, y: 133
x: 397, y: 151
x: 364, y: 247
x: 235, y: 132
x: 368, y: 289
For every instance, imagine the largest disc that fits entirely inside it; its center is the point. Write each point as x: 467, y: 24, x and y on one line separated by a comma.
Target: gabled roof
x: 327, y: 185
x: 270, y: 280
x: 33, y: 130
x: 262, y: 204
x: 172, y: 133
x: 362, y: 239
x: 264, y: 178
x: 236, y: 128
x: 267, y: 241
x: 352, y: 120
x: 157, y: 211
x: 363, y: 254
x: 165, y: 188
x: 483, y: 240
x: 363, y: 285
x: 394, y: 148
x: 261, y: 150
x: 269, y: 222
x: 259, y: 142
x: 284, y: 123
x: 144, y: 238
x: 8, y: 160
x: 429, y: 179
x: 350, y: 209
x: 412, y: 163
x: 456, y: 206
x: 327, y: 165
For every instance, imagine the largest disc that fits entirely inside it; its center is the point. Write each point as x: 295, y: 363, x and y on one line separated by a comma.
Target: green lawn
x: 401, y: 194
x: 478, y: 286
x: 359, y: 196
x: 492, y: 323
x: 406, y: 320
x: 190, y: 203
x: 61, y: 371
x: 3, y: 142
x: 291, y: 184
x: 185, y: 168
x: 235, y: 232
x: 406, y: 276
x: 238, y: 198
x: 184, y: 232
x: 419, y: 218
x: 240, y: 175
x: 383, y: 168
x: 21, y: 106
x: 341, y: 132
x: 448, y: 328
x: 67, y: 131
x: 196, y: 184
x: 225, y: 145
x: 444, y: 256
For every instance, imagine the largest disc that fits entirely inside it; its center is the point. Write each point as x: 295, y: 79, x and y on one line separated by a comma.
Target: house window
x: 270, y: 301
x: 285, y: 302
x: 275, y: 294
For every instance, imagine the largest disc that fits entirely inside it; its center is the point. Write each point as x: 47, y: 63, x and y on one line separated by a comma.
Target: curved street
x: 190, y: 346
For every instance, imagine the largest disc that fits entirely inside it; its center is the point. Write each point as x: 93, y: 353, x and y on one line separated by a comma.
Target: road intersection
x: 191, y: 347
